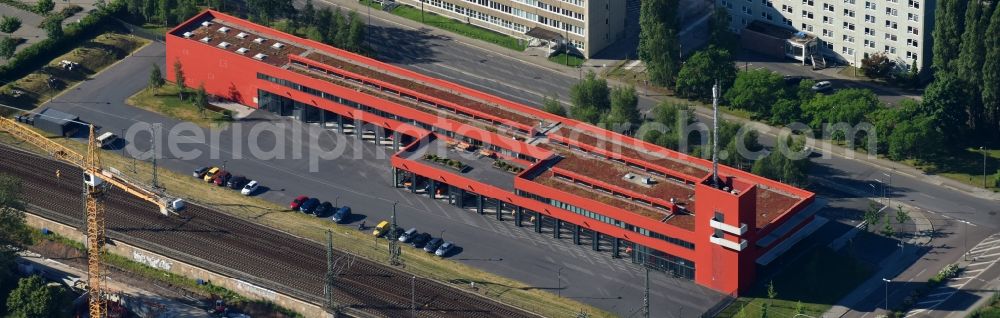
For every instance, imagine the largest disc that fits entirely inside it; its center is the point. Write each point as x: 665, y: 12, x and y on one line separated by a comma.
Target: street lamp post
x: 983, y: 150
x: 887, y: 281
x: 559, y: 281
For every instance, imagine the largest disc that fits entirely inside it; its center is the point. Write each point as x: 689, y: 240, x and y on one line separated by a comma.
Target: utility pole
x: 153, y: 147
x: 559, y: 281
x: 887, y: 281
x: 394, y: 249
x: 330, y: 274
x: 645, y: 295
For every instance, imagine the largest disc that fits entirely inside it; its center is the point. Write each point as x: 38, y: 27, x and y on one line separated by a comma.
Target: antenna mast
x: 715, y: 134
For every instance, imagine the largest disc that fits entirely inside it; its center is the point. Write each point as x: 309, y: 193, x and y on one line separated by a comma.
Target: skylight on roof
x: 188, y: 35
x: 242, y: 50
x: 206, y: 23
x: 260, y: 56
x: 223, y: 30
x: 242, y: 35
x: 206, y: 39
x: 224, y: 45
x: 277, y: 45
x: 259, y: 40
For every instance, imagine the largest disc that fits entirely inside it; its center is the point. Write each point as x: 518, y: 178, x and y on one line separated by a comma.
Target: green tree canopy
x: 915, y: 138
x: 702, y: 70
x: 308, y: 13
x: 355, y: 34
x: 179, y: 78
x: 991, y: 74
x: 31, y: 299
x: 659, y: 46
x: 779, y: 166
x: 756, y: 90
x: 201, y: 98
x: 848, y: 106
x: 947, y: 34
x: 53, y: 27
x: 44, y: 6
x: 156, y: 77
x: 945, y: 99
x: 8, y: 46
x: 553, y: 106
x: 624, y: 114
x: 590, y: 97
x: 9, y: 24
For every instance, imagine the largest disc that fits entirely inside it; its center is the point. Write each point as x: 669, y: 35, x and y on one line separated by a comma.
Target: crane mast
x: 95, y: 190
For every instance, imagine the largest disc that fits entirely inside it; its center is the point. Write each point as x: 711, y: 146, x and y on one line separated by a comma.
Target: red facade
x: 724, y: 254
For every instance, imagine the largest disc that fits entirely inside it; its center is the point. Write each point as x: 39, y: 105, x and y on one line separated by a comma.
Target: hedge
x: 39, y: 54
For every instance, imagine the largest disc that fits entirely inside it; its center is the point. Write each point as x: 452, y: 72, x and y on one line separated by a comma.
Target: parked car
x: 394, y: 234
x: 250, y: 188
x: 419, y: 240
x: 444, y: 249
x: 309, y: 205
x: 408, y: 235
x: 236, y: 182
x: 210, y: 175
x: 200, y: 172
x: 433, y: 245
x: 823, y: 86
x: 323, y: 209
x: 297, y: 202
x: 381, y: 229
x: 342, y: 214
x: 222, y: 178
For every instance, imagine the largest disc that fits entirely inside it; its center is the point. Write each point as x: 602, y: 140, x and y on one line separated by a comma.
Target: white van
x: 106, y: 139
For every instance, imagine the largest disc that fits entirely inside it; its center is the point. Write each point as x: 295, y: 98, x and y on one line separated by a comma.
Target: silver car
x: 444, y: 249
x: 408, y: 235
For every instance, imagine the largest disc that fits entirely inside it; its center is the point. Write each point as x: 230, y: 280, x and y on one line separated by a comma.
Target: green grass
x: 166, y: 100
x: 561, y: 58
x: 455, y: 26
x: 964, y: 166
x: 990, y: 310
x: 417, y: 262
x: 151, y: 273
x: 93, y: 56
x: 817, y: 279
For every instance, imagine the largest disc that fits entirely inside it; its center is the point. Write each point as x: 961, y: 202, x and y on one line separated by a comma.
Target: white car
x: 822, y: 86
x: 250, y: 188
x: 444, y: 249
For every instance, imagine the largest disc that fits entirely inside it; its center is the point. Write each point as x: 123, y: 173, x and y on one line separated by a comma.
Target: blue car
x: 309, y: 205
x: 342, y: 214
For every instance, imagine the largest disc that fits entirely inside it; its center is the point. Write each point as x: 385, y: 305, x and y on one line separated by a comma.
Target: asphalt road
x: 360, y: 179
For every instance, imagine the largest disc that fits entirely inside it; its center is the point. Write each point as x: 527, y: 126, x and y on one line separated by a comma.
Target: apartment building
x: 846, y: 30
x: 590, y: 25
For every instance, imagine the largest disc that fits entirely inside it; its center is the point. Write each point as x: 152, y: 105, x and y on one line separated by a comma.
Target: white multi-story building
x: 590, y: 25
x: 846, y: 30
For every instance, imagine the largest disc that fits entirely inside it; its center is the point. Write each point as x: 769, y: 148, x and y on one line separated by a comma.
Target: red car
x: 221, y: 178
x: 297, y: 202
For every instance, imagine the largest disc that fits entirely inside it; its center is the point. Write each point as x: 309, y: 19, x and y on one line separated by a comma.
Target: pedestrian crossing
x: 980, y: 258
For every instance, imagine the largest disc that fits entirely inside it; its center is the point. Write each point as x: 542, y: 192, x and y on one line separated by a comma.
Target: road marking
x: 955, y: 283
x: 974, y: 251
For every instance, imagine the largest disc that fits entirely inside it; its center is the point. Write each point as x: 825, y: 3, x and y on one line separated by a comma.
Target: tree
x: 44, y: 6
x: 659, y: 46
x: 9, y: 24
x: 848, y: 106
x: 718, y: 31
x: 755, y: 91
x: 947, y: 36
x: 355, y: 34
x: 887, y: 229
x: 186, y: 9
x: 799, y: 309
x: 323, y: 21
x: 784, y: 112
x: 901, y: 215
x: 702, y: 70
x: 31, y: 298
x: 8, y: 46
x: 308, y: 13
x: 876, y: 65
x: 553, y: 106
x: 155, y: 77
x: 165, y: 12
x: 624, y: 114
x: 590, y: 98
x: 201, y: 98
x: 53, y: 27
x: 969, y: 66
x: 179, y: 78
x: 871, y: 216
x: 991, y: 73
x: 776, y: 165
x: 945, y: 99
x: 914, y: 138
x: 343, y: 25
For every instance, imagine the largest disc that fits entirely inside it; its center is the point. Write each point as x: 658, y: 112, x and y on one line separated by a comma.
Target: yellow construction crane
x: 96, y: 181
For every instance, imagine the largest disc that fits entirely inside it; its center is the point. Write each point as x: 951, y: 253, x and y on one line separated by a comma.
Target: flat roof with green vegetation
x: 456, y: 26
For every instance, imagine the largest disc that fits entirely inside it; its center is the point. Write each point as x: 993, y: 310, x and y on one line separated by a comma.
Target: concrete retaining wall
x: 155, y: 260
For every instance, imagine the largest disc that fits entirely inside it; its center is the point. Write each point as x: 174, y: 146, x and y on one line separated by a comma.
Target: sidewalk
x: 835, y: 73
x: 535, y: 58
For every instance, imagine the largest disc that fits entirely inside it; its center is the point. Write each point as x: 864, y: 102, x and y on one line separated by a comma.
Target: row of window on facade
x: 383, y: 114
x: 507, y: 24
x: 869, y: 5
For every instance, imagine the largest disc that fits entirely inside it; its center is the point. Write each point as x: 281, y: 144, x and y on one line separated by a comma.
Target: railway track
x: 245, y: 250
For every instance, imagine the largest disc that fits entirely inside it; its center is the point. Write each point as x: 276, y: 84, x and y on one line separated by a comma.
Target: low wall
x: 155, y: 260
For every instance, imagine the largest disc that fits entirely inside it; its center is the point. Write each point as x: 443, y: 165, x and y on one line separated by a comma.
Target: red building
x: 642, y: 202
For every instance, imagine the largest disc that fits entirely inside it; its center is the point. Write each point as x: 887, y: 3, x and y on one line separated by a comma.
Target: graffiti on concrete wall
x: 255, y: 290
x: 152, y: 261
